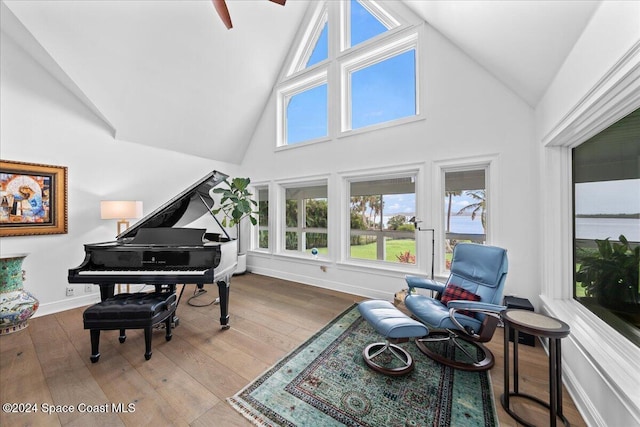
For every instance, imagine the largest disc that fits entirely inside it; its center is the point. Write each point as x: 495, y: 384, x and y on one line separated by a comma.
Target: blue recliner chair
x: 466, y: 308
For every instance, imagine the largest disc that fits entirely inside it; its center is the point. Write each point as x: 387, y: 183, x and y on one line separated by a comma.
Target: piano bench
x: 130, y: 311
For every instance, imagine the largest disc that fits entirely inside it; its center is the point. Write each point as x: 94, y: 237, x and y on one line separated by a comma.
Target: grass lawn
x: 393, y: 248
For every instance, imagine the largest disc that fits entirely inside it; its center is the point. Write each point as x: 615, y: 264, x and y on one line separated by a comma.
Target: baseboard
x: 320, y: 283
x: 67, y: 304
x: 79, y: 301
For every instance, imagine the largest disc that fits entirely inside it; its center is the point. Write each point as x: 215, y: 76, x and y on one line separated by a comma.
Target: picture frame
x: 33, y: 199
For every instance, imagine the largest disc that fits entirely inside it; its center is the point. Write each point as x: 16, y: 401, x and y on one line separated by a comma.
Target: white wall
x: 597, y: 85
x: 467, y: 114
x: 42, y: 122
x: 611, y: 33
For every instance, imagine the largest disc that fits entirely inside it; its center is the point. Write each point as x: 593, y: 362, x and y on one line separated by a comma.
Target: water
x: 601, y: 228
x: 464, y: 225
x: 586, y: 228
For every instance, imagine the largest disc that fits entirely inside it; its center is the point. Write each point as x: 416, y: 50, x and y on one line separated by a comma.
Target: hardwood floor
x: 188, y: 379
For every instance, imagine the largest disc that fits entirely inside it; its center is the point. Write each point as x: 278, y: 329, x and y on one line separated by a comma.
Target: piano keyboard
x: 138, y: 272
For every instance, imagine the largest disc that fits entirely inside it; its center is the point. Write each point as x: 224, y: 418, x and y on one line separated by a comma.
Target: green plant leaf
x: 236, y: 202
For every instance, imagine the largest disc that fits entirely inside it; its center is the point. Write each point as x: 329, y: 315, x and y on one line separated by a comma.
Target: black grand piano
x: 172, y: 245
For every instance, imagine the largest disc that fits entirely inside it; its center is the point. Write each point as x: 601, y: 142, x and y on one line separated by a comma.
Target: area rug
x: 325, y: 382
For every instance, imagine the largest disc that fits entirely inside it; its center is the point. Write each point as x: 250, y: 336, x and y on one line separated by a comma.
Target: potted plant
x: 236, y: 204
x: 610, y: 275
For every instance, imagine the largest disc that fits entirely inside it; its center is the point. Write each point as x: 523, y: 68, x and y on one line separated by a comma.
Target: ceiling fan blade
x: 280, y: 2
x: 221, y: 8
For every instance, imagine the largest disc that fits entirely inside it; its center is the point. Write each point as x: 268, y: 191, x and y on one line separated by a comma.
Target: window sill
x: 379, y: 267
x: 310, y: 259
x: 365, y: 267
x: 380, y: 126
x: 613, y: 357
x: 352, y: 132
x: 301, y: 144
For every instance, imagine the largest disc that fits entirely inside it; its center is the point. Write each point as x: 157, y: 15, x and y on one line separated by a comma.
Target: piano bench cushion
x: 130, y: 311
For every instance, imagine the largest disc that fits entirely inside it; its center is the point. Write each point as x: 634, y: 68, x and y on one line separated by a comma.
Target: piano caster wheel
x: 94, y: 357
x: 168, y: 337
x: 122, y: 339
x: 225, y: 327
x: 147, y: 356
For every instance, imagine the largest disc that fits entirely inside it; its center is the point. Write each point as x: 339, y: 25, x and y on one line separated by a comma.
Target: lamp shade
x: 120, y: 209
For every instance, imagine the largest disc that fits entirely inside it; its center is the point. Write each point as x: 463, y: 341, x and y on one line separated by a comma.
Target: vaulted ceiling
x: 167, y: 73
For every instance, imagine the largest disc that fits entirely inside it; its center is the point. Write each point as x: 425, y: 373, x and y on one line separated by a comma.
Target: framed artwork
x: 33, y: 199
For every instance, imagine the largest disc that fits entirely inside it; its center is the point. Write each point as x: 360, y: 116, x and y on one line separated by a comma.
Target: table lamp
x: 122, y: 210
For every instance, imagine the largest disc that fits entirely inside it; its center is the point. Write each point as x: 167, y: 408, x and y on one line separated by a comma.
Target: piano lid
x: 186, y: 207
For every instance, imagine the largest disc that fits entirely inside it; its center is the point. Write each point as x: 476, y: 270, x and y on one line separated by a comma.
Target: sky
x: 406, y: 203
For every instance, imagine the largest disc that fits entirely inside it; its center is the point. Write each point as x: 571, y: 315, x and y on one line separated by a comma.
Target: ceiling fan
x: 223, y: 11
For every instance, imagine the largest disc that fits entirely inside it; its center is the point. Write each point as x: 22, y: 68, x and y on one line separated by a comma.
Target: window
x: 364, y: 24
x: 606, y: 187
x: 263, y: 217
x: 307, y: 115
x: 376, y: 78
x: 314, y: 47
x: 321, y: 50
x: 465, y: 208
x: 606, y: 356
x: 306, y: 214
x: 384, y: 91
x: 303, y: 109
x: 379, y: 227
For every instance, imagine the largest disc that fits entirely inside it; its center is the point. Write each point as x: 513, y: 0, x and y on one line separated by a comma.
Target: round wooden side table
x: 542, y: 326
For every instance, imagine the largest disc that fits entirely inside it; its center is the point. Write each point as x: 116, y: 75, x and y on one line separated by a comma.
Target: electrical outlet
x: 88, y: 289
x: 69, y: 291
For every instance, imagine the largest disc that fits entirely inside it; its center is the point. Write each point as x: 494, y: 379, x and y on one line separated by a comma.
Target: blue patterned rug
x: 325, y: 382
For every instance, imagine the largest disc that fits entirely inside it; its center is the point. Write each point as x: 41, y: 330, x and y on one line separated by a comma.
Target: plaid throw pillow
x: 454, y: 292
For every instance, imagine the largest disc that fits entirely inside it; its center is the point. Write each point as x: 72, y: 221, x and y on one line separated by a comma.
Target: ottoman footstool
x: 130, y: 311
x: 395, y: 327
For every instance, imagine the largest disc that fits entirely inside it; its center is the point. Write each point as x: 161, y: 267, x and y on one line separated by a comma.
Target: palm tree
x: 375, y: 208
x: 450, y: 194
x: 479, y: 207
x: 359, y: 205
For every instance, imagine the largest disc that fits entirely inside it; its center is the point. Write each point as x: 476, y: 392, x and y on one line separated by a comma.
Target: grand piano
x: 175, y: 244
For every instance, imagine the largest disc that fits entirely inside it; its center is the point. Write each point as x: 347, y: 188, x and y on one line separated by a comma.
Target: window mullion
x: 333, y: 73
x: 344, y: 25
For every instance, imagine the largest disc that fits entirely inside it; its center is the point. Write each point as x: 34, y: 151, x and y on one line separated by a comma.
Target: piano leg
x: 223, y: 292
x: 106, y: 291
x: 95, y: 345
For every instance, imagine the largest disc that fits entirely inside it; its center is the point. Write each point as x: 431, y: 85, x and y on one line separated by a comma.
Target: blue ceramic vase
x: 16, y: 304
